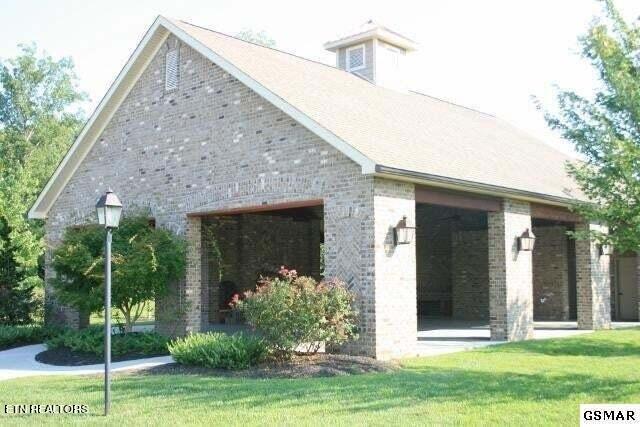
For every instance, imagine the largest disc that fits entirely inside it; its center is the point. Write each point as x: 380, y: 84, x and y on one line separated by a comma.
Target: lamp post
x: 108, y: 209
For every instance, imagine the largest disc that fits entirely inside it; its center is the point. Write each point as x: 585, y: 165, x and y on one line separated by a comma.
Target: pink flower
x: 235, y: 299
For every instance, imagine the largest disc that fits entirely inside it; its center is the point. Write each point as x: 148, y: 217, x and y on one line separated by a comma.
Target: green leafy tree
x: 260, y: 37
x: 605, y: 130
x: 17, y: 303
x: 145, y: 260
x: 37, y: 125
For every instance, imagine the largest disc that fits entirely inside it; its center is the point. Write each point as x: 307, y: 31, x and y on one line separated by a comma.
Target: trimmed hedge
x: 219, y: 350
x: 91, y: 340
x: 15, y: 336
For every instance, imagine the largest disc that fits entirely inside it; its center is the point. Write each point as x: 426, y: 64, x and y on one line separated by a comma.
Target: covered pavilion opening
x: 554, y: 274
x: 452, y: 272
x: 240, y: 246
x: 452, y: 269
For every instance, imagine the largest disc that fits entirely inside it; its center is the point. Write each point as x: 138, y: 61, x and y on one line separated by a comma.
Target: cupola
x: 375, y: 53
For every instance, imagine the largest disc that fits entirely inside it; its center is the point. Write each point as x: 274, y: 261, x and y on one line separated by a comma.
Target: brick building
x: 274, y: 157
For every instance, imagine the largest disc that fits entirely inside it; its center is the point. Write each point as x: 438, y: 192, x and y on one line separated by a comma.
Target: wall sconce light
x: 605, y: 249
x: 403, y: 234
x: 526, y: 241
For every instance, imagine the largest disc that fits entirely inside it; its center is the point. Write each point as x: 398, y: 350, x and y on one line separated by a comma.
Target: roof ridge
x: 262, y: 46
x: 360, y: 77
x: 453, y: 103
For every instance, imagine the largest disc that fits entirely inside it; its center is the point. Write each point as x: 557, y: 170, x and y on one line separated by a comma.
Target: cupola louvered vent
x: 171, y: 71
x: 355, y: 58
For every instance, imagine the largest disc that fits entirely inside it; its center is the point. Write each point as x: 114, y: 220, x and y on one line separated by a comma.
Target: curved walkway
x: 21, y: 362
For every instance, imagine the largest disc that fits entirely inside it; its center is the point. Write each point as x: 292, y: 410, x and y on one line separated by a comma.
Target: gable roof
x: 388, y: 133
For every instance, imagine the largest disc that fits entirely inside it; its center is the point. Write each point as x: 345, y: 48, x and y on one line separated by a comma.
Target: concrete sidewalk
x: 21, y: 362
x: 443, y: 336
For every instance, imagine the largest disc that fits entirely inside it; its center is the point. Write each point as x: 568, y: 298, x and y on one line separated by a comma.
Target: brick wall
x: 470, y: 270
x: 214, y: 144
x: 550, y: 273
x: 253, y: 244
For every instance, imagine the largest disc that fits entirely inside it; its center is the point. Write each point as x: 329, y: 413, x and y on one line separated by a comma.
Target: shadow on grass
x: 380, y: 392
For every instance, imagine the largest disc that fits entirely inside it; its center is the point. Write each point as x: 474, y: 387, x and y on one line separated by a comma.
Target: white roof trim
x: 40, y: 212
x: 375, y: 33
x: 144, y: 53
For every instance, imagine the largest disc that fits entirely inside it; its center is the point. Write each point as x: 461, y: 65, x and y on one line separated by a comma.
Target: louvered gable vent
x: 171, y: 70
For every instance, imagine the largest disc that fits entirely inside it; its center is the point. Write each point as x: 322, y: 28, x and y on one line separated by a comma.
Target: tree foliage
x: 605, y: 129
x: 260, y: 37
x: 17, y: 303
x: 37, y: 126
x: 145, y: 260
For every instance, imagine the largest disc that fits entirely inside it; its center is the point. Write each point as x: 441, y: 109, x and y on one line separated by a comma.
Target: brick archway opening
x: 239, y: 246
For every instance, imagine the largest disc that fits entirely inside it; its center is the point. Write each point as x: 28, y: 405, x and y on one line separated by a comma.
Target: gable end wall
x: 215, y: 144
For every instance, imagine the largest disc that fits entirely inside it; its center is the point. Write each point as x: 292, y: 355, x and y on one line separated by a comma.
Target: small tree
x: 605, y: 130
x: 145, y: 261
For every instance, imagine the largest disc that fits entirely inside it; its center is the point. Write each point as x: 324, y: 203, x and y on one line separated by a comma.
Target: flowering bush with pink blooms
x: 291, y: 311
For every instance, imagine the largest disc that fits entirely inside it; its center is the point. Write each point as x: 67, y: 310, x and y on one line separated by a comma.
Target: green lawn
x: 146, y: 318
x: 530, y: 383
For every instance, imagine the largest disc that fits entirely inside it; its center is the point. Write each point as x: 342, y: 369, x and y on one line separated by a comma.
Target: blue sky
x: 491, y: 55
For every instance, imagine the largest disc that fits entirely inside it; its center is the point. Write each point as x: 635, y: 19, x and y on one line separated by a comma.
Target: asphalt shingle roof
x: 407, y: 131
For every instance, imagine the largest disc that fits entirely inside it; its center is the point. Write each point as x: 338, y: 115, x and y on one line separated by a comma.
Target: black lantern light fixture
x: 403, y: 234
x: 526, y: 241
x: 108, y: 209
x: 605, y: 249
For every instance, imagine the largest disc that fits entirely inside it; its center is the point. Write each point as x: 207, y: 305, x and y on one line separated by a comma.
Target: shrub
x: 289, y: 311
x: 14, y: 336
x: 91, y: 340
x: 219, y: 350
x: 145, y: 260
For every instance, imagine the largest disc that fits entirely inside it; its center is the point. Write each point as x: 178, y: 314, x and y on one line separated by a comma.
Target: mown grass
x: 146, y: 318
x: 529, y: 383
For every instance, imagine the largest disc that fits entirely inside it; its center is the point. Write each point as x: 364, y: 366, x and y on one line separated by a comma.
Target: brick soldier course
x: 223, y: 139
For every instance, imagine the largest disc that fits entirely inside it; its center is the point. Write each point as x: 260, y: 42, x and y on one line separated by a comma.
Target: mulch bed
x: 64, y: 357
x: 299, y: 366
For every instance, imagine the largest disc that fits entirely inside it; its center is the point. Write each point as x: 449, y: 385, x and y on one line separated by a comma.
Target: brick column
x: 510, y: 273
x: 395, y: 272
x: 192, y: 290
x: 593, y: 283
x: 205, y: 279
x: 179, y: 312
x: 360, y: 250
x: 56, y: 313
